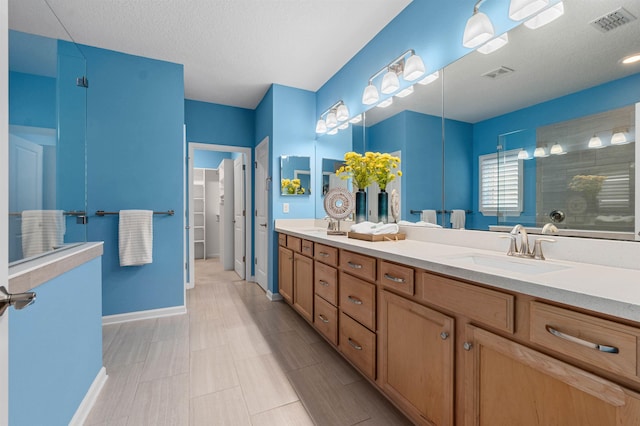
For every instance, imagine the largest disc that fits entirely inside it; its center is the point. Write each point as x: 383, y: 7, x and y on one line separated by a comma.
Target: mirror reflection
x: 47, y: 125
x: 329, y: 179
x: 295, y: 175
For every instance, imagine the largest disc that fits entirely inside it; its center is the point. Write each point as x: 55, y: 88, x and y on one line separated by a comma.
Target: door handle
x: 17, y: 300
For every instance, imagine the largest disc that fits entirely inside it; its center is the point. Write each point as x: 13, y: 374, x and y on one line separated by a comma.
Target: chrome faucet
x: 523, y: 250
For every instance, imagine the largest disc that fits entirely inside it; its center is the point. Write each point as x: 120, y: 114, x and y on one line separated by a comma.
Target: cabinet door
x: 285, y: 273
x: 303, y: 285
x: 510, y: 384
x: 417, y: 360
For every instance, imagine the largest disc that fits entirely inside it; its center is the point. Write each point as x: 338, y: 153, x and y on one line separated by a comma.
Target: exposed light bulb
x: 522, y: 9
x: 540, y: 152
x: 413, y: 68
x: 370, y: 95
x: 405, y: 92
x: 390, y: 83
x: 321, y: 127
x: 557, y: 149
x: 595, y: 143
x: 495, y: 44
x: 430, y: 78
x: 478, y: 30
x: 331, y: 120
x: 546, y: 16
x: 385, y: 103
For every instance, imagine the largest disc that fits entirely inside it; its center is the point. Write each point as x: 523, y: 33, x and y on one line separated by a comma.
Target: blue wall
x: 55, y: 348
x: 219, y: 124
x: 615, y: 94
x: 32, y: 100
x: 209, y: 159
x: 135, y: 150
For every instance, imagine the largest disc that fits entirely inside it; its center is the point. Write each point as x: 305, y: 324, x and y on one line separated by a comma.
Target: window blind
x: 500, y: 183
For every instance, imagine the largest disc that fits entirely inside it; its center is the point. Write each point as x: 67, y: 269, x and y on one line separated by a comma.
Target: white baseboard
x: 273, y: 297
x: 90, y: 398
x: 140, y: 315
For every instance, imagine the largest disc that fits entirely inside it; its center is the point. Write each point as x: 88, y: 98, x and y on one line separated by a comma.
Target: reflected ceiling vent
x: 613, y: 20
x: 498, y: 72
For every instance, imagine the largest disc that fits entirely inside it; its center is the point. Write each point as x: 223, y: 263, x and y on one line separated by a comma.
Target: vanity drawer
x: 358, y: 299
x: 358, y: 344
x: 307, y: 248
x: 489, y: 307
x: 397, y: 277
x: 326, y: 254
x: 326, y: 319
x: 294, y: 243
x: 326, y: 279
x: 569, y: 333
x: 357, y: 264
x: 282, y: 240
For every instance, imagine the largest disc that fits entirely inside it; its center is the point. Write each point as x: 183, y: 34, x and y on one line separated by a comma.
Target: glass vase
x: 361, y: 206
x: 383, y: 206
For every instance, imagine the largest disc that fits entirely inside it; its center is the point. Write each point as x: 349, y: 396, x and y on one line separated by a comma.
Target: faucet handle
x: 537, y: 247
x: 513, y: 249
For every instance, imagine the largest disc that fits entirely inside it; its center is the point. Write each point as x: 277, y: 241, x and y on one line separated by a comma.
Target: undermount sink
x: 511, y: 264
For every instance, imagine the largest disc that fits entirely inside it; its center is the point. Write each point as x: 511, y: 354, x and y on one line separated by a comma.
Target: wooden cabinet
x: 358, y: 300
x: 303, y: 285
x: 285, y: 273
x: 358, y: 344
x: 326, y: 282
x: 326, y: 319
x: 510, y: 384
x: 417, y: 359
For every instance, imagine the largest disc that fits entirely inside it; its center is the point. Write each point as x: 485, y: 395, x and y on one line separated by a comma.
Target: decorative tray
x: 381, y: 237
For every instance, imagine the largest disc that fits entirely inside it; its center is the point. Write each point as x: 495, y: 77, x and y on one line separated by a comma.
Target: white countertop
x: 605, y: 289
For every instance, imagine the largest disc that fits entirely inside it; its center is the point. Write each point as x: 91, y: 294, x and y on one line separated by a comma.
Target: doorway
x: 233, y: 242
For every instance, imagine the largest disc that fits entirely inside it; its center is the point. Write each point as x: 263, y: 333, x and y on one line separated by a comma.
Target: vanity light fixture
x: 595, y: 143
x: 332, y: 116
x: 540, y: 152
x: 479, y: 28
x: 494, y: 44
x: 333, y: 131
x: 410, y: 68
x: 343, y: 125
x: 619, y: 137
x: 556, y: 149
x: 546, y: 16
x: 356, y: 119
x: 631, y: 59
x: 385, y: 103
x: 523, y: 155
x: 430, y: 78
x: 406, y: 92
x: 522, y: 9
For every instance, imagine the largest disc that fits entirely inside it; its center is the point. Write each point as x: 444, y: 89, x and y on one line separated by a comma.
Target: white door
x: 190, y: 221
x: 262, y: 213
x: 238, y: 215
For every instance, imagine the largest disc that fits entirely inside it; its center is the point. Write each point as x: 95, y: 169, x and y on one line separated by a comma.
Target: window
x: 500, y: 184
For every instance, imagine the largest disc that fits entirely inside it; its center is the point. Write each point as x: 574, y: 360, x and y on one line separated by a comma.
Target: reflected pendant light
x: 342, y: 113
x: 356, y: 119
x: 333, y: 131
x: 540, y: 152
x: 523, y: 155
x: 495, y: 44
x: 332, y: 120
x: 413, y: 68
x: 370, y: 95
x: 546, y: 16
x: 430, y: 78
x: 321, y: 127
x: 595, y: 143
x: 385, y: 103
x: 618, y: 138
x: 343, y: 125
x: 478, y: 30
x: 556, y: 149
x: 405, y: 92
x: 522, y: 9
x: 390, y: 83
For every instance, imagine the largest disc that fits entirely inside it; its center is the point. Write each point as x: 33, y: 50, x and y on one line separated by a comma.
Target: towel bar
x: 437, y: 211
x: 103, y: 213
x: 69, y: 213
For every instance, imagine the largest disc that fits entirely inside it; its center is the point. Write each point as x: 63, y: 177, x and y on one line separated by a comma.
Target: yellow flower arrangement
x: 589, y: 184
x: 368, y: 168
x: 291, y: 186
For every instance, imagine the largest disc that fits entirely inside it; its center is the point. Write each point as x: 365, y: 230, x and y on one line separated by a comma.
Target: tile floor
x: 235, y: 359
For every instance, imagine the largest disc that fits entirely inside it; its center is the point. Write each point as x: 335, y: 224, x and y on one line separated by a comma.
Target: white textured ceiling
x: 232, y: 50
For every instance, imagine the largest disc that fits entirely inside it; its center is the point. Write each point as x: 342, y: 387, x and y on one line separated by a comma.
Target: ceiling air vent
x: 498, y: 72
x: 613, y: 20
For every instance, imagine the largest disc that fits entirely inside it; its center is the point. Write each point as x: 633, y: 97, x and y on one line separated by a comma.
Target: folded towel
x: 387, y: 228
x: 362, y: 227
x: 457, y: 219
x: 42, y: 230
x: 419, y: 223
x: 429, y: 216
x: 135, y: 237
x: 614, y: 218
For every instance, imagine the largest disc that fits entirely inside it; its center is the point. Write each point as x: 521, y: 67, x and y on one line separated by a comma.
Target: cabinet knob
x: 467, y: 346
x: 444, y: 335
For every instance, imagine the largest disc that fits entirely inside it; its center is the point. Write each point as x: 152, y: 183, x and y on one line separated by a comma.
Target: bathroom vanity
x: 456, y: 335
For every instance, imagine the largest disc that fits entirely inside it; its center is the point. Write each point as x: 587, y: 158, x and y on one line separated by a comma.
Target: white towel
x: 362, y: 227
x: 42, y: 230
x: 419, y: 223
x: 429, y: 216
x: 387, y: 228
x: 457, y: 219
x: 135, y: 236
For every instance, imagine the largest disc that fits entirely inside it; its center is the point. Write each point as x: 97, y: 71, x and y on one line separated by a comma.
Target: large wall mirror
x: 47, y: 127
x: 552, y: 88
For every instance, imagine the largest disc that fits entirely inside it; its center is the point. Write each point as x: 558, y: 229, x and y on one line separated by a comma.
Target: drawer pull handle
x: 323, y: 254
x: 394, y: 279
x: 354, y: 345
x: 354, y: 265
x: 323, y: 319
x: 323, y: 283
x: 306, y: 248
x: 354, y: 300
x: 601, y: 348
